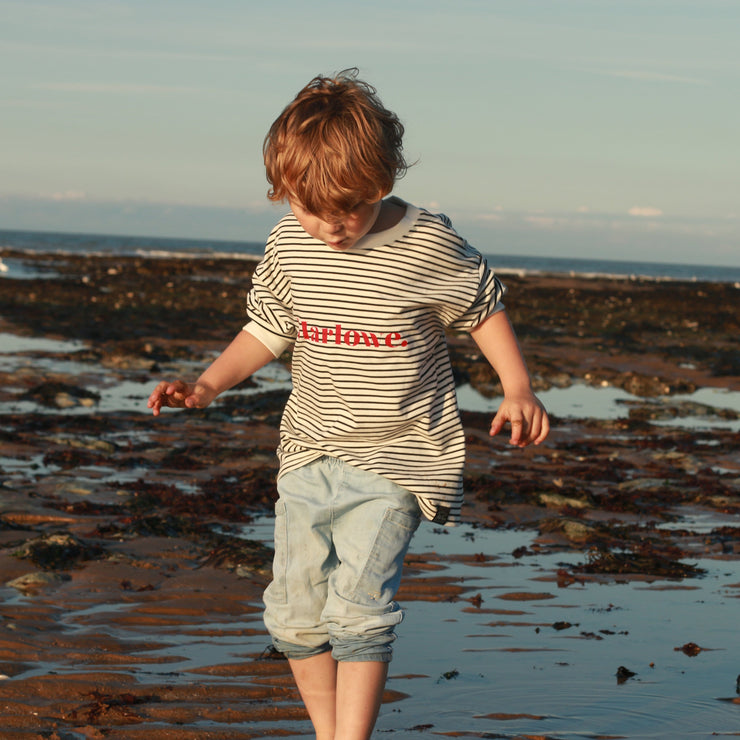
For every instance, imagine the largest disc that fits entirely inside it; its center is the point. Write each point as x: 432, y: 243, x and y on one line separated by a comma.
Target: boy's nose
x: 335, y: 227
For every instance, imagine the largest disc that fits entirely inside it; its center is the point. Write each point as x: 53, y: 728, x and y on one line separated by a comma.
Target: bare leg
x: 343, y: 699
x: 316, y: 678
x: 359, y: 694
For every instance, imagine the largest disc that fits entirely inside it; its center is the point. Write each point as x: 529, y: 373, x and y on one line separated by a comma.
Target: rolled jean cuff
x: 299, y: 652
x: 355, y: 652
x: 360, y: 651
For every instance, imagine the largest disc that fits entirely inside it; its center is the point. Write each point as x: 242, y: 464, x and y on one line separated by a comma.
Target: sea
x: 46, y: 242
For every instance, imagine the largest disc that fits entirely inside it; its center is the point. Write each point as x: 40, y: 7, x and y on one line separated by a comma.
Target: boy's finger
x: 165, y: 394
x: 157, y: 392
x: 497, y: 424
x: 517, y: 427
x: 155, y: 404
x: 544, y: 429
x: 538, y: 429
x: 154, y: 401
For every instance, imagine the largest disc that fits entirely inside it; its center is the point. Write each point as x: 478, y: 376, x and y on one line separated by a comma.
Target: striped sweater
x: 372, y: 380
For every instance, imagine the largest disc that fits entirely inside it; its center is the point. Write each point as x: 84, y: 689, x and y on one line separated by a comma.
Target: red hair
x: 334, y: 147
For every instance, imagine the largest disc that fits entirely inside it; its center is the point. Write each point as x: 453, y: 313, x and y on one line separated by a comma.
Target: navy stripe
x: 372, y: 382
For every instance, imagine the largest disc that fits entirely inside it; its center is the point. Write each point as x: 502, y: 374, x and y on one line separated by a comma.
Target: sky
x: 571, y: 128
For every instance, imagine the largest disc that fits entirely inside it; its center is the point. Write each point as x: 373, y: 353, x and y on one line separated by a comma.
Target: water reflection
x: 13, y: 344
x: 702, y: 409
x: 530, y: 658
x: 120, y: 391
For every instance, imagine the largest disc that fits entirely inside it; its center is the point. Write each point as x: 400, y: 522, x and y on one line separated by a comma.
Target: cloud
x: 496, y: 215
x: 68, y: 195
x: 542, y: 221
x: 644, y: 211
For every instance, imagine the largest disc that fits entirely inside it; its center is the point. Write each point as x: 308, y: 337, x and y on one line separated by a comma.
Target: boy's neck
x: 391, y: 212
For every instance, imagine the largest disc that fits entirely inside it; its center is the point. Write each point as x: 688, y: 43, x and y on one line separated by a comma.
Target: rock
x: 36, y: 581
x: 690, y: 648
x: 624, y: 674
x: 60, y: 395
x: 56, y: 551
x: 86, y: 443
x: 558, y: 501
x: 572, y: 529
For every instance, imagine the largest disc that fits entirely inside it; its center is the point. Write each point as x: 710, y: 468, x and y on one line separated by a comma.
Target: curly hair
x: 335, y: 146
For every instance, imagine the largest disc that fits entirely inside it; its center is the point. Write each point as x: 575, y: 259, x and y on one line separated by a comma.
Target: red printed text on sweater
x: 349, y: 337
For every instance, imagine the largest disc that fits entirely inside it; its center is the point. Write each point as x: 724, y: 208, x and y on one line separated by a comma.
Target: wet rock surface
x: 115, y: 507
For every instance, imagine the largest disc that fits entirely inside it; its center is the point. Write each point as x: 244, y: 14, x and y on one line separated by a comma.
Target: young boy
x: 363, y: 286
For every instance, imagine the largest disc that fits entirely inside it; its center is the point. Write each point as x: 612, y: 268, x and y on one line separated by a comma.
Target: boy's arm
x: 520, y: 407
x: 243, y: 357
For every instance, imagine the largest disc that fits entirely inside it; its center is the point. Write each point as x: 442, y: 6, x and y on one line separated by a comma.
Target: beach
x: 134, y: 550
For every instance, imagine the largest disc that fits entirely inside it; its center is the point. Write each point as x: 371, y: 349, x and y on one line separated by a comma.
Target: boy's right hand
x: 179, y: 394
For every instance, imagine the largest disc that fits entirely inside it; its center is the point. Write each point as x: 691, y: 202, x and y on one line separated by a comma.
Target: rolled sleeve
x: 274, y: 342
x: 486, y: 292
x: 269, y: 304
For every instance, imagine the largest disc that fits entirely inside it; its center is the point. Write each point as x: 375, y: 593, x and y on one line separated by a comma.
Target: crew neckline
x: 388, y: 236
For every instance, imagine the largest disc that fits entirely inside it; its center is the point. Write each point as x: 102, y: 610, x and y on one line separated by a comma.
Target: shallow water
x: 121, y: 391
x: 606, y: 402
x: 503, y: 669
x: 515, y: 655
x: 500, y: 669
x: 11, y: 344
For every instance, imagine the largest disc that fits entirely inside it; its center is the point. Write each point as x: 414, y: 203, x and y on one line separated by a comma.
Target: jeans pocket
x: 381, y: 575
x: 278, y: 588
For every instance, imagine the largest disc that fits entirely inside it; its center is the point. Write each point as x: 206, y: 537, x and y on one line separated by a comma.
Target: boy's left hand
x: 527, y: 416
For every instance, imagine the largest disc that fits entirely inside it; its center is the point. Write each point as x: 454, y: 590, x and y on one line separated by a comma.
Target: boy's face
x: 343, y: 232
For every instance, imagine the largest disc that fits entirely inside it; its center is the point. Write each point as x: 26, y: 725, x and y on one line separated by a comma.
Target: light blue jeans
x: 341, y: 535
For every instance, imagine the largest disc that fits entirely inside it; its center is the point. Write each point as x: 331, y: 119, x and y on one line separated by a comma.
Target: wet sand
x: 131, y: 608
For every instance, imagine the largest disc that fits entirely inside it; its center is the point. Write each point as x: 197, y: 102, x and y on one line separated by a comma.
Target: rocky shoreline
x: 115, y: 525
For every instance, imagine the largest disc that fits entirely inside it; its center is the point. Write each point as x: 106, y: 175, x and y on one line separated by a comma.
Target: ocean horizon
x: 51, y: 242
